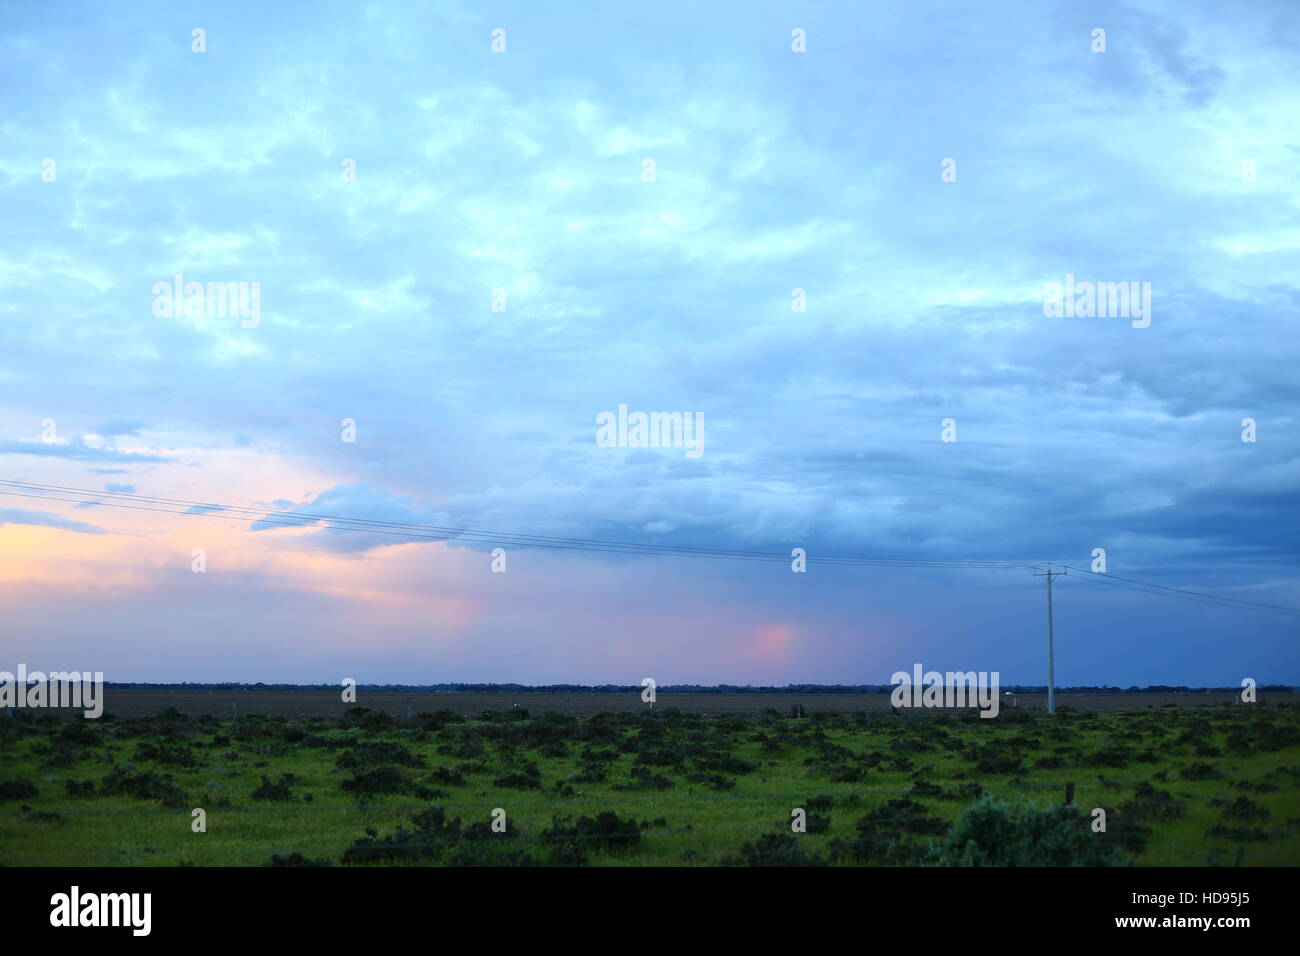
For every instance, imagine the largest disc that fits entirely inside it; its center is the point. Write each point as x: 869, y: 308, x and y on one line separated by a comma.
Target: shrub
x: 13, y: 789
x: 371, y: 721
x: 1241, y: 808
x: 569, y: 841
x: 401, y: 845
x: 714, y: 780
x: 999, y: 764
x: 376, y: 780
x: 436, y: 720
x: 1126, y: 833
x: 922, y: 788
x: 1113, y: 757
x: 643, y: 779
x: 887, y: 834
x: 448, y: 778
x: 82, y: 732
x: 83, y: 789
x: 725, y: 763
x: 144, y: 786
x: 530, y: 778
x: 1150, y: 804
x: 168, y: 754
x: 275, y: 791
x: 776, y: 849
x: 294, y: 859
x: 1240, y: 834
x: 377, y: 753
x: 434, y: 837
x: 463, y: 749
x: 58, y: 753
x: 993, y: 833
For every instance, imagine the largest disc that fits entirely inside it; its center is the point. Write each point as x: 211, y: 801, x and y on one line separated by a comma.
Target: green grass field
x: 1214, y: 785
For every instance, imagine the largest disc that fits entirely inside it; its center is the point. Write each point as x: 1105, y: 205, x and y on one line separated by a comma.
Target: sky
x: 827, y: 231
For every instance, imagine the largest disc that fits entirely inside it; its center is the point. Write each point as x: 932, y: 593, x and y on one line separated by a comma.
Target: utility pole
x: 1051, y: 655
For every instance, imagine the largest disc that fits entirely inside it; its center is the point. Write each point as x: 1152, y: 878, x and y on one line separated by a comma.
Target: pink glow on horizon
x: 772, y: 644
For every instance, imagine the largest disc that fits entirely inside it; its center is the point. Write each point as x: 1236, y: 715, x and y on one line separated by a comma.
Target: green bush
x: 11, y: 789
x: 376, y: 780
x: 143, y: 786
x: 776, y: 849
x: 294, y: 859
x: 993, y: 833
x: 280, y: 790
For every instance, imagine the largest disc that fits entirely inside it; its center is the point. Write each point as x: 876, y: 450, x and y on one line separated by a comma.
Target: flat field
x: 311, y: 703
x: 1209, y: 785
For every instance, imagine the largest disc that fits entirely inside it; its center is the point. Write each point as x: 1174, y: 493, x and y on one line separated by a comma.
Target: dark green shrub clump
x: 294, y: 859
x: 143, y: 786
x: 993, y: 833
x: 83, y: 789
x: 432, y: 837
x: 570, y: 841
x: 436, y: 720
x: 275, y: 791
x: 1241, y: 808
x: 888, y: 835
x: 715, y: 781
x: 371, y: 721
x: 529, y: 778
x: 643, y: 779
x: 776, y: 849
x: 376, y: 780
x: 167, y: 754
x: 1152, y: 805
x: 378, y: 753
x: 12, y: 789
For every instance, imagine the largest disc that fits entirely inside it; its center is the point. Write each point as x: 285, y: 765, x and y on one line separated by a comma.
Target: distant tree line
x: 672, y: 688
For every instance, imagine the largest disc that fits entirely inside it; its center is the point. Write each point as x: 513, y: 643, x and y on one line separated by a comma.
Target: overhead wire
x: 427, y: 532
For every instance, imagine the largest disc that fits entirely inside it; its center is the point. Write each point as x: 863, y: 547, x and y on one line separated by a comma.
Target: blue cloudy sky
x: 1170, y: 159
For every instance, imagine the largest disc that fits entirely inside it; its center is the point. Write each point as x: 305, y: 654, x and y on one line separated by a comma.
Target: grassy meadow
x: 1182, y: 786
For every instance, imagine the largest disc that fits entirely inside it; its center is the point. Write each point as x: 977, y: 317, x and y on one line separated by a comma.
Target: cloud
x: 44, y: 519
x: 362, y: 503
x: 774, y: 172
x: 77, y: 450
x: 114, y: 427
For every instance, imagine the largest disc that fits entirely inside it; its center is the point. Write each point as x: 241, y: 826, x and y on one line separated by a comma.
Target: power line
x: 1161, y: 590
x: 298, y: 519
x: 434, y: 532
x: 1111, y: 578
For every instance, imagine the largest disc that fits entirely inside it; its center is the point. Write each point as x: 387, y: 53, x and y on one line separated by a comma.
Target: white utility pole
x: 1051, y: 654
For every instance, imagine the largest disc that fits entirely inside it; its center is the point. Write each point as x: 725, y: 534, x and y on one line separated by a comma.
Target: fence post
x: 408, y: 710
x: 234, y: 711
x: 1069, y: 794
